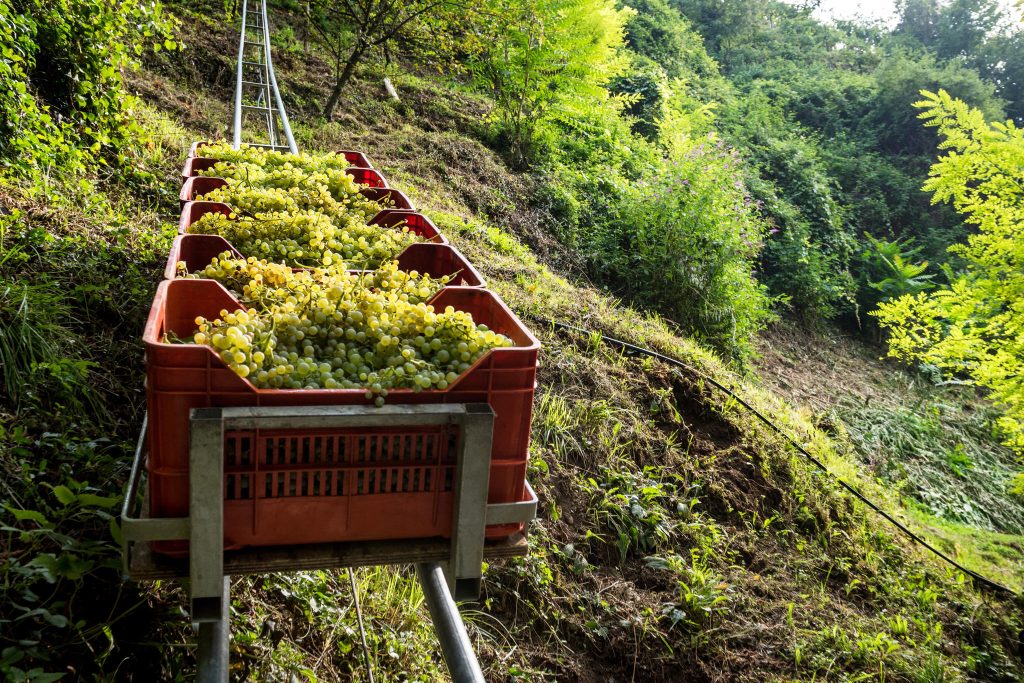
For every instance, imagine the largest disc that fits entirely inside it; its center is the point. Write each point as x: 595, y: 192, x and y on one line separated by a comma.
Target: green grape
x: 307, y: 239
x: 262, y: 180
x: 273, y: 159
x: 256, y: 199
x: 370, y: 339
x: 261, y: 283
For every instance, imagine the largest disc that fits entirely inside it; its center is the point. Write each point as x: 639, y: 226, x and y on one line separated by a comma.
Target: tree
x: 957, y: 28
x: 659, y: 32
x: 540, y: 55
x: 975, y: 326
x: 1002, y: 62
x: 350, y: 29
x: 726, y: 24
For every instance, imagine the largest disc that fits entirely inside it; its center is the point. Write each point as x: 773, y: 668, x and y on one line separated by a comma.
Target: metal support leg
x: 206, y: 514
x: 214, y: 636
x: 472, y: 473
x: 458, y: 651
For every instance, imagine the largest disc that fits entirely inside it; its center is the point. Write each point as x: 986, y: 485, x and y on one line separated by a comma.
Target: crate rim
x: 188, y: 170
x: 187, y: 207
x: 170, y: 270
x: 193, y: 150
x: 186, y: 193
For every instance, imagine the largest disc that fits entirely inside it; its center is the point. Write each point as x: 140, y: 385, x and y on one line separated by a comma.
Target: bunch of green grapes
x: 260, y: 283
x: 270, y: 159
x: 307, y: 239
x: 255, y: 198
x: 359, y: 338
x: 309, y: 179
x: 339, y: 185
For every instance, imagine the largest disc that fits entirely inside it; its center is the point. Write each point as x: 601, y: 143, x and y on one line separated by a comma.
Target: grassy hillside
x: 677, y: 538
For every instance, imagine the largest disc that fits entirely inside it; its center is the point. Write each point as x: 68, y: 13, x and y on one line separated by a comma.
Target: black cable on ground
x: 980, y: 580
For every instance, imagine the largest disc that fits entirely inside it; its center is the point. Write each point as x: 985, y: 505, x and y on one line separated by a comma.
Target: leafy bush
x: 888, y: 271
x: 643, y: 90
x: 808, y: 257
x: 975, y: 326
x: 62, y: 101
x: 796, y: 268
x: 685, y: 240
x: 657, y: 31
x: 541, y: 56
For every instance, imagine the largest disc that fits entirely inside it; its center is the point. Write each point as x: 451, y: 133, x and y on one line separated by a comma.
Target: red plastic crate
x: 435, y: 260
x: 193, y: 165
x: 181, y: 377
x: 196, y: 186
x: 367, y: 176
x: 417, y: 222
x: 368, y: 485
x: 195, y: 148
x: 364, y: 176
x: 388, y: 218
x: 355, y: 158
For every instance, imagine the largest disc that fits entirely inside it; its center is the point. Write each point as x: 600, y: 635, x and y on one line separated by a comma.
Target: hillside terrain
x: 678, y: 538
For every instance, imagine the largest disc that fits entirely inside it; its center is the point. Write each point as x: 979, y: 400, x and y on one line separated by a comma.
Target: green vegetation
x: 676, y: 174
x: 64, y: 108
x: 975, y: 327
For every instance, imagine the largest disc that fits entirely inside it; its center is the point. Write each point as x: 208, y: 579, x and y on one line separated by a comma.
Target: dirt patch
x: 818, y: 369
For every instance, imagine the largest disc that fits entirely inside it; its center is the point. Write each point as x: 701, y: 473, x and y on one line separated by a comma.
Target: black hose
x: 980, y: 580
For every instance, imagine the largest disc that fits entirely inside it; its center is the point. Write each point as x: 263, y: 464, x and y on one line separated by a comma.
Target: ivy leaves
x: 63, y: 104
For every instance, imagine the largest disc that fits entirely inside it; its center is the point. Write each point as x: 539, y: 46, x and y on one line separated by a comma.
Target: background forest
x: 775, y: 199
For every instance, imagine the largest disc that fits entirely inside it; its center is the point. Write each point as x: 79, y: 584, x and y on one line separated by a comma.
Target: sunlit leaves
x: 975, y: 326
x: 62, y: 101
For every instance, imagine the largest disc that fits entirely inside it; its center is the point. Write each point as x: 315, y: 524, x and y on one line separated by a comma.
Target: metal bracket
x: 472, y: 475
x: 470, y: 515
x: 206, y: 513
x: 208, y: 564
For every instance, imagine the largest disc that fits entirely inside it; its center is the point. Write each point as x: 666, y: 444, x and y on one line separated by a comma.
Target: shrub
x: 62, y: 100
x: 544, y: 58
x: 975, y: 326
x: 888, y: 270
x: 684, y: 240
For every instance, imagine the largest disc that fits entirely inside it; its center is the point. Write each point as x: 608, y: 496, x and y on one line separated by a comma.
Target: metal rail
x: 458, y: 651
x: 256, y: 84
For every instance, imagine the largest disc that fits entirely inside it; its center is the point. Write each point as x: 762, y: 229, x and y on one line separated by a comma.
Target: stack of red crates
x: 301, y: 486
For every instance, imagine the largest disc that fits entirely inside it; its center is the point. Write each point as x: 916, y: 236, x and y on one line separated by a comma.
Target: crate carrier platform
x: 444, y: 566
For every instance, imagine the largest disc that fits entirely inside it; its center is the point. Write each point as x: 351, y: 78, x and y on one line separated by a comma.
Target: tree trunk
x: 346, y: 74
x: 305, y: 32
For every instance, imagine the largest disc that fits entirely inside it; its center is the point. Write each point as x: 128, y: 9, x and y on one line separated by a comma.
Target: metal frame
x: 264, y: 79
x: 208, y: 565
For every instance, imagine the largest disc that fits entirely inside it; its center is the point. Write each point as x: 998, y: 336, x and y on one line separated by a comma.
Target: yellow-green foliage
x: 975, y: 326
x: 542, y: 60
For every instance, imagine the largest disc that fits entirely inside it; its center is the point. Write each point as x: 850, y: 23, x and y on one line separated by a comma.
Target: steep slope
x: 677, y: 539
x: 677, y: 536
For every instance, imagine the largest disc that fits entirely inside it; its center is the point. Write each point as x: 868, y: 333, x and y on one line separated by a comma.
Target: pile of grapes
x: 271, y: 160
x: 324, y: 327
x: 258, y: 283
x: 261, y: 180
x: 307, y: 239
x: 338, y: 330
